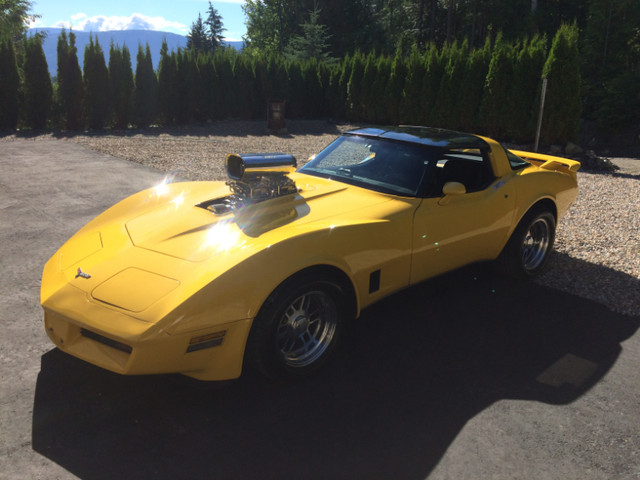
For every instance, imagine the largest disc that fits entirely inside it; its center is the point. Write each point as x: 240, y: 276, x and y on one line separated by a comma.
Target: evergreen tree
x: 525, y: 92
x: 215, y: 29
x: 37, y: 88
x: 312, y: 83
x: 167, y: 86
x: 610, y: 50
x: 58, y: 93
x: 434, y: 61
x: 324, y: 85
x: 210, y: 96
x: 206, y: 36
x: 197, y: 40
x: 333, y: 93
x: 183, y: 87
x: 369, y: 97
x: 396, y: 23
x: 271, y: 24
x: 121, y: 82
x: 226, y: 84
x: 312, y: 43
x: 562, y: 105
x: 196, y: 87
x: 351, y: 24
x: 551, y: 15
x: 96, y: 82
x: 395, y: 88
x: 69, y: 81
x: 476, y: 69
x: 146, y: 89
x: 341, y: 82
x: 494, y: 111
x: 245, y: 86
x: 354, y: 87
x: 114, y: 67
x: 379, y: 90
x: 260, y: 76
x: 9, y: 86
x: 450, y: 99
x: 411, y: 110
x: 296, y: 93
x: 279, y: 79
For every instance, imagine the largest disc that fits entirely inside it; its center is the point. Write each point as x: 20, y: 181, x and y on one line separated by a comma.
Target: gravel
x: 198, y: 153
x: 597, y: 251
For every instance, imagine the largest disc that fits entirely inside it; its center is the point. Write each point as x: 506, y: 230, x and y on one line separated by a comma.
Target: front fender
x: 357, y: 250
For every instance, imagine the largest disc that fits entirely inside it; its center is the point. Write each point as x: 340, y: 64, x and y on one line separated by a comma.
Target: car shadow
x: 410, y: 373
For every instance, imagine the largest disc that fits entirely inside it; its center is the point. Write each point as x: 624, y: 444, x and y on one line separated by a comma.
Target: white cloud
x: 34, y: 23
x: 137, y: 21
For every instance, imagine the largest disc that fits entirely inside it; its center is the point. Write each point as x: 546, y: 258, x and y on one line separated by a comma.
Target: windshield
x: 380, y: 165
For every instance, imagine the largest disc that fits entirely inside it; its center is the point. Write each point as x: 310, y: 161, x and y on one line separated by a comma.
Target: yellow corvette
x: 205, y: 278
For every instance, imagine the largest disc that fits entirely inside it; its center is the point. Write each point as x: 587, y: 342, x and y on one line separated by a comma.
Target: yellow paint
x: 148, y: 287
x: 163, y: 271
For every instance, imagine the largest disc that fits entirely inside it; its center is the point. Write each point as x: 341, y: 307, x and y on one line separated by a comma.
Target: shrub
x: 146, y: 89
x: 562, y: 108
x: 37, y: 88
x: 9, y: 87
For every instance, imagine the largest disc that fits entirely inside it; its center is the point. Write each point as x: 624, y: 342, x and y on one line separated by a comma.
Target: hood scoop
x: 220, y: 206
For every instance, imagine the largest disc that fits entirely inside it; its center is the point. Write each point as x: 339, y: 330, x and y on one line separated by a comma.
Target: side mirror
x: 451, y: 189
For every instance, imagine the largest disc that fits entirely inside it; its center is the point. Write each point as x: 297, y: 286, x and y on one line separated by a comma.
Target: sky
x: 174, y: 16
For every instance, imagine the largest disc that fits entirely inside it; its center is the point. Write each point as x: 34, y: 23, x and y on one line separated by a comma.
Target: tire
x: 527, y: 251
x: 297, y: 328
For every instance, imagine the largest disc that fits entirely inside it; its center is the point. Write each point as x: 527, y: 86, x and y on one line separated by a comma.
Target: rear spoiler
x: 549, y: 162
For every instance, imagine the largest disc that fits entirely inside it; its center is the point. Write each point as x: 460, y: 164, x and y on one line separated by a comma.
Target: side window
x: 471, y: 167
x: 515, y: 161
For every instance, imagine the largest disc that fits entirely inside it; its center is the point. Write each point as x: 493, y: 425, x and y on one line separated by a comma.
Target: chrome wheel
x: 297, y: 328
x: 536, y: 243
x: 526, y: 253
x: 306, y: 329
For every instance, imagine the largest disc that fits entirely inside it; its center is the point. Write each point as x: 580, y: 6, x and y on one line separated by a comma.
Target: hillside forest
x: 462, y: 64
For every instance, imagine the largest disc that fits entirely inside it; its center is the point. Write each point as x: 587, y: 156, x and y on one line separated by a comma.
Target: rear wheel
x: 527, y: 252
x: 297, y: 328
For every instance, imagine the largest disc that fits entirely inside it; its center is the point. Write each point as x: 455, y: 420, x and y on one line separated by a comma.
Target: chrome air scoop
x: 255, y: 177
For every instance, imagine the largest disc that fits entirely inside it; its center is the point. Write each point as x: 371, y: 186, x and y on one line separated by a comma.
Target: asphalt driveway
x: 464, y: 376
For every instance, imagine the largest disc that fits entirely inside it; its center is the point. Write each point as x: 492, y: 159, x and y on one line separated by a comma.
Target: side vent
x: 374, y: 281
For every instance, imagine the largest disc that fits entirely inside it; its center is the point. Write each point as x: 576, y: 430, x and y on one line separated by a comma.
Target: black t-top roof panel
x: 432, y: 137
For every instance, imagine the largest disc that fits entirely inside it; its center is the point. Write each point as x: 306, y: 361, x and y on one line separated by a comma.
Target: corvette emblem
x: 81, y: 274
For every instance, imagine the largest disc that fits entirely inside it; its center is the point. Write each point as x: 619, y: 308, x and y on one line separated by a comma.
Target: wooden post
x: 542, y: 97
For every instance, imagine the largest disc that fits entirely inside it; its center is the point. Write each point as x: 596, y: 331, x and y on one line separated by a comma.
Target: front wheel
x: 528, y: 249
x: 297, y: 328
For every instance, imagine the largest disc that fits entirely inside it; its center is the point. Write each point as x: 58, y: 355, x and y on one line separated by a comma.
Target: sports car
x: 263, y: 271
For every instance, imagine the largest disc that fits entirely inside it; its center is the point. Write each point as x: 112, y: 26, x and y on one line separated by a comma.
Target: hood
x: 180, y: 228
x: 162, y: 240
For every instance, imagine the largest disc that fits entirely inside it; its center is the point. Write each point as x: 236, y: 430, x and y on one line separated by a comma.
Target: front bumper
x: 130, y: 346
